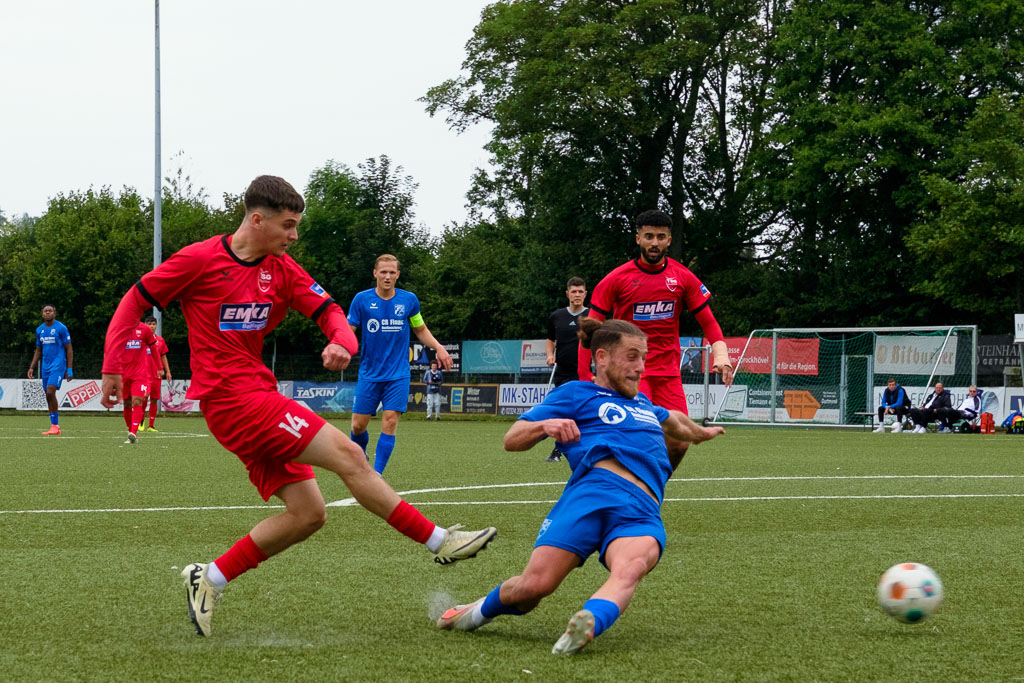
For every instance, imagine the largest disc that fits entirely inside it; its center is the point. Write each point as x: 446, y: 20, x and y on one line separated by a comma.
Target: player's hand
x: 336, y: 357
x: 561, y: 429
x: 727, y: 375
x: 550, y: 360
x: 708, y: 433
x: 444, y: 358
x: 110, y: 392
x: 30, y: 373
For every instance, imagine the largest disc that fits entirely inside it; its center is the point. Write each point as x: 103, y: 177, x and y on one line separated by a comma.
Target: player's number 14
x: 294, y: 425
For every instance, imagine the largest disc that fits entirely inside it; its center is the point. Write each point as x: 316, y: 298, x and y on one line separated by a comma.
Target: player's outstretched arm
x: 526, y: 434
x: 680, y: 427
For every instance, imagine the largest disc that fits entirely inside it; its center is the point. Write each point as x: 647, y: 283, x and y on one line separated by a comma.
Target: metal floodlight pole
x: 157, y: 185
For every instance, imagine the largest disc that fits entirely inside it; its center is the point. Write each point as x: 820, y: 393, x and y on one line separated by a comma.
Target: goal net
x: 836, y: 376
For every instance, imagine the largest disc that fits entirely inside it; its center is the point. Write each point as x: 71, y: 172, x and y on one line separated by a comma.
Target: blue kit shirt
x: 611, y: 425
x: 51, y: 339
x: 384, y: 326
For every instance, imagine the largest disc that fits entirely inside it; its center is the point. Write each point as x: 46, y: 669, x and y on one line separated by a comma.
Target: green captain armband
x: 417, y: 321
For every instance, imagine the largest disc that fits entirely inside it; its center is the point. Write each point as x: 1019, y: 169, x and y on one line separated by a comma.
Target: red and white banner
x: 795, y: 356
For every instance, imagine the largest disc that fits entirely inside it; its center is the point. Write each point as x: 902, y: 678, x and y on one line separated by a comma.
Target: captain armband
x: 417, y: 320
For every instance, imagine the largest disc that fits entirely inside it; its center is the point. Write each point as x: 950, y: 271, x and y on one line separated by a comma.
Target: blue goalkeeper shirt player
x: 615, y: 441
x: 53, y: 345
x: 382, y: 317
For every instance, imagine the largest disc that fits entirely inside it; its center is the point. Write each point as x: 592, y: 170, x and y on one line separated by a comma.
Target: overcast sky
x: 247, y: 87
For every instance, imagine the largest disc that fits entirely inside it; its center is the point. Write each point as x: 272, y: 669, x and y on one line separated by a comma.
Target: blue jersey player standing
x: 53, y: 344
x: 614, y: 440
x: 382, y: 317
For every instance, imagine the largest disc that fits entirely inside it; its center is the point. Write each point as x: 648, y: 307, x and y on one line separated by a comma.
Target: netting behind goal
x: 835, y: 376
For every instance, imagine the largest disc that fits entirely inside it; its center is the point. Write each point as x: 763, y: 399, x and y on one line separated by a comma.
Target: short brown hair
x: 387, y: 257
x: 273, y: 193
x: 596, y: 334
x: 575, y: 282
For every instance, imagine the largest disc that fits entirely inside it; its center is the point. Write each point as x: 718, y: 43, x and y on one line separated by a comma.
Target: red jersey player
x: 136, y: 371
x: 651, y: 291
x: 160, y: 371
x: 234, y: 289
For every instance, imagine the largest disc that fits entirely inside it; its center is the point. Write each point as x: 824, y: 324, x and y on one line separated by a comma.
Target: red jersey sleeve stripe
x: 702, y: 306
x: 320, y: 309
x: 600, y: 310
x: 147, y: 296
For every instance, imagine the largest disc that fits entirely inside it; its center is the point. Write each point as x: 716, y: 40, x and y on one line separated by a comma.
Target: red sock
x: 242, y: 557
x: 410, y: 522
x: 137, y: 413
x: 152, y: 409
x: 128, y: 414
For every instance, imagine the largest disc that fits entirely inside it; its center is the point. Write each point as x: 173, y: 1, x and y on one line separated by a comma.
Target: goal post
x: 834, y: 377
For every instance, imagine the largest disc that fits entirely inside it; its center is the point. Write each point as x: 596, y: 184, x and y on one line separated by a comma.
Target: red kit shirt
x: 135, y: 357
x: 230, y: 305
x: 156, y: 354
x: 653, y: 301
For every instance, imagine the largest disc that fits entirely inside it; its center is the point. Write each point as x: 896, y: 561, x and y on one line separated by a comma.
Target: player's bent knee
x: 633, y: 570
x: 308, y: 522
x: 535, y: 587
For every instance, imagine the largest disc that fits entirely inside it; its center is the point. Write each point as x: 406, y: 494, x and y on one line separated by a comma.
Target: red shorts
x: 666, y: 392
x: 266, y: 431
x: 131, y: 386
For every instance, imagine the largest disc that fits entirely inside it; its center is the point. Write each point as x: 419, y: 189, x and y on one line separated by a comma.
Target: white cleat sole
x: 578, y: 633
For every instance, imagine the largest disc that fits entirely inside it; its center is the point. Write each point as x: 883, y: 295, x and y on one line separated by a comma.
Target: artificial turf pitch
x: 776, y: 541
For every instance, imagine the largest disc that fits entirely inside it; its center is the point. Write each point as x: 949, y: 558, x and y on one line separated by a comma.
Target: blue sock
x: 494, y: 607
x: 53, y: 418
x: 385, y: 444
x: 605, y: 613
x: 362, y: 440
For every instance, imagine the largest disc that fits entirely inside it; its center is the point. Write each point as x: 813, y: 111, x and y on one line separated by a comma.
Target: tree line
x: 825, y: 163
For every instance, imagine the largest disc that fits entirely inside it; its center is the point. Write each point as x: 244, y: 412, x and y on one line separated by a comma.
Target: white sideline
x: 348, y: 502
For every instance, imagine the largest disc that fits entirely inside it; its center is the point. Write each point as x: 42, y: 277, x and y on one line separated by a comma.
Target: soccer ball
x: 909, y: 592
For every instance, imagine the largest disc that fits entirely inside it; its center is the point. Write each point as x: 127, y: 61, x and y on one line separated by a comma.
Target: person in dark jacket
x: 894, y: 402
x: 934, y: 409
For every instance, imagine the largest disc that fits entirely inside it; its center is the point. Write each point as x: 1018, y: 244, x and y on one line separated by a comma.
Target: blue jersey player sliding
x: 53, y: 343
x: 382, y: 317
x: 614, y: 440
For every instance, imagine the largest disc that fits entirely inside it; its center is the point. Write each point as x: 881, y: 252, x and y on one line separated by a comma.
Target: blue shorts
x: 54, y: 378
x: 393, y: 393
x: 597, y: 509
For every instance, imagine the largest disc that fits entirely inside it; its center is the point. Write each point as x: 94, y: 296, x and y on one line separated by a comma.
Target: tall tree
x: 872, y: 96
x: 972, y: 246
x: 597, y: 107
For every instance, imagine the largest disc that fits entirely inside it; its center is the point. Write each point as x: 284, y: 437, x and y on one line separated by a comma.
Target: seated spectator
x: 935, y: 408
x: 969, y: 408
x: 894, y: 402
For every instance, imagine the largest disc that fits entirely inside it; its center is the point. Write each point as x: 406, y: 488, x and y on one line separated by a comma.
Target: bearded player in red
x: 651, y: 291
x: 234, y: 289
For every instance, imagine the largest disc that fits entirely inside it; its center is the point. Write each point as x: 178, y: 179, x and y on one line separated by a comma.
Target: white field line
x: 349, y: 502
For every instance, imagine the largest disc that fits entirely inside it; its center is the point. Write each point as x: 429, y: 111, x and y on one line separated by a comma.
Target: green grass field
x: 776, y: 541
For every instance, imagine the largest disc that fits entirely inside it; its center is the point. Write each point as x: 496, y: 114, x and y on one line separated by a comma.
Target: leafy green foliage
x: 972, y: 248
